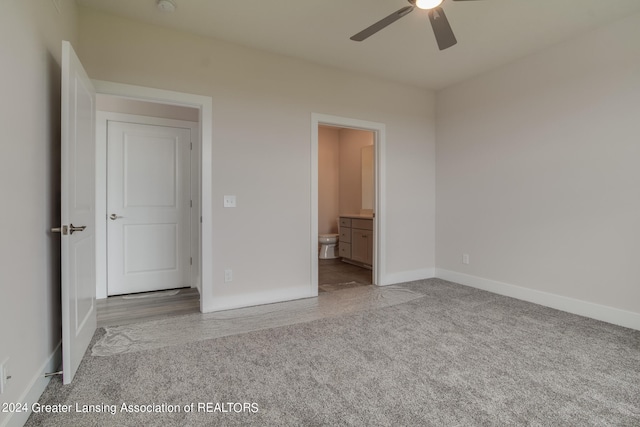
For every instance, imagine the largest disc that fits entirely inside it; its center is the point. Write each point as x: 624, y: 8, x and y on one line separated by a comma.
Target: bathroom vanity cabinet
x: 356, y: 240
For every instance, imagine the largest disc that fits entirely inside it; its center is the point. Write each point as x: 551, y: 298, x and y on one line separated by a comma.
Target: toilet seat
x: 329, y: 238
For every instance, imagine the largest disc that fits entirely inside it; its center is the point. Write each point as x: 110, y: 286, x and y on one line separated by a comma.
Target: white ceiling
x: 489, y: 32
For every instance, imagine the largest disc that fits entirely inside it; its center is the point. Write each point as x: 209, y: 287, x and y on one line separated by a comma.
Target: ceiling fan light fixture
x: 428, y: 4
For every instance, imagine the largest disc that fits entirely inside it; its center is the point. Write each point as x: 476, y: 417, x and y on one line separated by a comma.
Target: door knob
x: 73, y: 228
x: 113, y: 217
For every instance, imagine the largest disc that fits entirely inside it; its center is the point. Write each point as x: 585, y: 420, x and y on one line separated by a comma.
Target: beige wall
x: 30, y: 48
x: 328, y: 179
x: 116, y: 104
x: 351, y: 143
x: 538, y: 176
x: 262, y: 106
x: 339, y: 174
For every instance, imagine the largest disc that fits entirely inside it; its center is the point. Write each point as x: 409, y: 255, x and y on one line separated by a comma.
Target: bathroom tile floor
x: 333, y: 275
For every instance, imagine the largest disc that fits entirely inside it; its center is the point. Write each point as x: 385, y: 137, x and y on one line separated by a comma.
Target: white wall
x: 262, y: 148
x: 30, y: 48
x: 538, y: 175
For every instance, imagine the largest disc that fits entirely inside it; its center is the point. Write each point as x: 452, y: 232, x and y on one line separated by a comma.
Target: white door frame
x: 379, y: 239
x: 205, y: 105
x: 102, y: 120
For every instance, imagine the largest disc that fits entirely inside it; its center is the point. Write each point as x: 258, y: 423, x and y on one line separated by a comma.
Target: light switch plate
x: 229, y: 201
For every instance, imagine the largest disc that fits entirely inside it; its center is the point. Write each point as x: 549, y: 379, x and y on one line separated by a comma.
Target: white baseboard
x: 258, y: 298
x: 289, y: 294
x: 35, y: 388
x: 605, y: 313
x: 198, y: 284
x: 407, y: 276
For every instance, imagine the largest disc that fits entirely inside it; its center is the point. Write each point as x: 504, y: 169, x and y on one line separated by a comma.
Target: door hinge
x: 190, y: 261
x: 191, y: 146
x: 190, y: 203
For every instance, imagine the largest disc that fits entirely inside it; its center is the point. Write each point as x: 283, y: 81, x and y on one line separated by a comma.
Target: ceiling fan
x: 439, y: 23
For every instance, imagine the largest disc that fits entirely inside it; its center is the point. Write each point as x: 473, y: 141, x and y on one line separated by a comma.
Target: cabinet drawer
x: 345, y: 222
x: 344, y: 250
x: 363, y: 224
x: 345, y: 234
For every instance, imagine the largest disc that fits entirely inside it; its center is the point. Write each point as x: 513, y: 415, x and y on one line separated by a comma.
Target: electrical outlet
x: 4, y: 375
x: 465, y: 258
x: 228, y: 275
x: 229, y: 201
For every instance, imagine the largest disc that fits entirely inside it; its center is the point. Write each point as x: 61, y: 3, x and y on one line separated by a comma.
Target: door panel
x: 148, y: 202
x: 161, y: 239
x: 85, y: 273
x: 155, y: 183
x: 78, y: 281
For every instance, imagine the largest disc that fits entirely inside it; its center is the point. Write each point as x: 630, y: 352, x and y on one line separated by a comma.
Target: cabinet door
x: 344, y: 250
x: 362, y: 246
x: 345, y: 235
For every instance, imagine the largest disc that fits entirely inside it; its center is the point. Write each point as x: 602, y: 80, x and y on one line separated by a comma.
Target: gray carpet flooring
x: 456, y: 357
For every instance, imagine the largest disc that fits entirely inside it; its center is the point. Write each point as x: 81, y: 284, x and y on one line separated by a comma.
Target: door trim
x: 102, y: 120
x: 205, y: 105
x: 378, y: 129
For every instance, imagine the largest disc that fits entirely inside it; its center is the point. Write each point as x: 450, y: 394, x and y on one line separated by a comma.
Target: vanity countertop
x: 360, y: 216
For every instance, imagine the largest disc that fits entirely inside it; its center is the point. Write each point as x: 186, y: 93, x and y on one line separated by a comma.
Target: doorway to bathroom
x: 345, y: 196
x: 348, y: 200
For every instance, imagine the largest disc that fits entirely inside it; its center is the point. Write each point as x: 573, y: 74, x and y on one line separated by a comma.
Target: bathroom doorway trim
x: 378, y: 129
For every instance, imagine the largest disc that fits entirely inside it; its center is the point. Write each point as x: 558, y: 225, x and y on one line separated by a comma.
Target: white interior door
x: 148, y: 203
x: 77, y: 212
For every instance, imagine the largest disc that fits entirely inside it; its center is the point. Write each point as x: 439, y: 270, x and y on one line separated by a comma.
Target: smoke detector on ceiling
x: 166, y: 6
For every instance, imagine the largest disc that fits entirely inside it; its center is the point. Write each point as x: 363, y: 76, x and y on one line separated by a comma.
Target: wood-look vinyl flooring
x: 127, y: 309
x: 333, y: 275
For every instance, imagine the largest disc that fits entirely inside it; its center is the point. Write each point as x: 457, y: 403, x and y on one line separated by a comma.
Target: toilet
x: 328, y: 246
